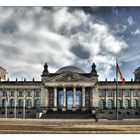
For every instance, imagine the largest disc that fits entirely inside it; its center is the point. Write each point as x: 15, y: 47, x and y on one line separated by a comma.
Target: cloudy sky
x: 61, y: 36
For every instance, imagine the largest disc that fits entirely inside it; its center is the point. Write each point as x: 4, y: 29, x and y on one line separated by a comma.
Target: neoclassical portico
x: 71, y: 89
x: 69, y: 98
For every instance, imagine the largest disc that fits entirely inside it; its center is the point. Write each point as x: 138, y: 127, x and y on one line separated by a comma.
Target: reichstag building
x: 69, y: 93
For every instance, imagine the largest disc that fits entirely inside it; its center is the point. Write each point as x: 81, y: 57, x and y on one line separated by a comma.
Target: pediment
x: 69, y: 77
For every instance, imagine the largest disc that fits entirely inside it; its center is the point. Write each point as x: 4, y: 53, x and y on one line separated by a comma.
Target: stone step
x: 68, y: 115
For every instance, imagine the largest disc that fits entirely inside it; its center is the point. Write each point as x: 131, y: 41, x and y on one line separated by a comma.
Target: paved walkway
x: 39, y: 126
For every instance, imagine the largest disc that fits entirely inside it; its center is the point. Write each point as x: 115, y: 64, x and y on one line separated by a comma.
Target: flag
x: 121, y: 76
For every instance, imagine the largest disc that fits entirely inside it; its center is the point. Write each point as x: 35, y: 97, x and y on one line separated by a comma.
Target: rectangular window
x: 127, y: 93
x: 120, y: 93
x: 29, y: 93
x: 110, y: 93
x: 60, y: 98
x: 12, y: 93
x: 102, y: 93
x: 37, y: 93
x: 135, y: 93
x: 78, y: 98
x: 4, y: 93
x: 20, y: 93
x: 69, y: 99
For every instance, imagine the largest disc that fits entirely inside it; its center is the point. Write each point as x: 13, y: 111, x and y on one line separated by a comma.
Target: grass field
x: 8, y: 126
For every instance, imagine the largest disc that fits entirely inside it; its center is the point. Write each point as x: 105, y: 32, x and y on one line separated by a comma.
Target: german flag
x: 121, y: 76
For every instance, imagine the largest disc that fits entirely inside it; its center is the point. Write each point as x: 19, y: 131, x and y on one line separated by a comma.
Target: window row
x: 110, y: 104
x: 21, y: 93
x: 21, y: 103
x: 110, y: 93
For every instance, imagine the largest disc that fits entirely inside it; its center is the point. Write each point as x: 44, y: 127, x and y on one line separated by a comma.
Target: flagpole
x: 24, y: 104
x: 15, y: 112
x: 116, y: 90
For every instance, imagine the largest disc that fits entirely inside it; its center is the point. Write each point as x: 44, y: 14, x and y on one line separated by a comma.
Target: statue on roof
x: 93, y: 70
x: 3, y: 73
x: 45, y: 71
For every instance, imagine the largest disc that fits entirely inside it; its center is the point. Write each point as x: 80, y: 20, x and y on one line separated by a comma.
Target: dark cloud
x: 8, y: 27
x: 9, y: 51
x: 80, y: 52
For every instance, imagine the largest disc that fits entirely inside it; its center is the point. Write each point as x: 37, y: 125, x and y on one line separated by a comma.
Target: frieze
x: 69, y: 77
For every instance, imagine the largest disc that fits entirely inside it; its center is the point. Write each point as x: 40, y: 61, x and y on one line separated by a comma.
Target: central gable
x: 69, y: 77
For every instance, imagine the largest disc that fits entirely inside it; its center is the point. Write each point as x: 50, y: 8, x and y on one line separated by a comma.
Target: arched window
x: 119, y: 104
x: 3, y: 103
x: 126, y: 103
x: 135, y: 103
x: 37, y: 103
x: 20, y: 102
x: 29, y: 103
x: 12, y: 94
x: 110, y: 104
x: 101, y: 104
x: 12, y: 103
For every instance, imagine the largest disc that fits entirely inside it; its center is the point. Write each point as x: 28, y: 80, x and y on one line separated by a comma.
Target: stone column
x: 47, y: 98
x: 131, y: 98
x: 74, y: 99
x: 44, y: 94
x: 83, y: 99
x: 64, y: 100
x: 95, y: 97
x: 55, y: 99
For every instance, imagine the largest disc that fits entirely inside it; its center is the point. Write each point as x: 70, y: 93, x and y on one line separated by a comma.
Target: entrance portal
x: 69, y: 98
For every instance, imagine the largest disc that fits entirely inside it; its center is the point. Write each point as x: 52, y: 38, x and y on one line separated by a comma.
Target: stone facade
x: 70, y: 89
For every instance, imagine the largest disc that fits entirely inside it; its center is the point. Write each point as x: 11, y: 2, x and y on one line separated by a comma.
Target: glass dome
x: 70, y: 69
